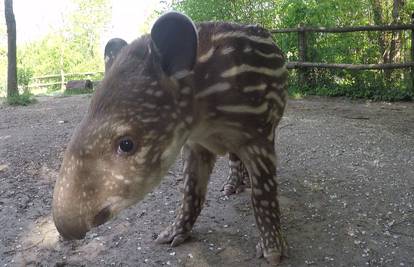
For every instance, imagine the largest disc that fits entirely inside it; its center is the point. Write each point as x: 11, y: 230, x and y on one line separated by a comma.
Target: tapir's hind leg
x: 260, y: 160
x: 198, y: 164
x: 238, y: 176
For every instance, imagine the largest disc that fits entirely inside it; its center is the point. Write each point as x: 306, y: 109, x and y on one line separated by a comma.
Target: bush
x: 21, y: 100
x: 365, y: 85
x: 23, y: 77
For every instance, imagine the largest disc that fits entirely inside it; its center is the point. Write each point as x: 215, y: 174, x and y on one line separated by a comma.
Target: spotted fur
x: 213, y: 88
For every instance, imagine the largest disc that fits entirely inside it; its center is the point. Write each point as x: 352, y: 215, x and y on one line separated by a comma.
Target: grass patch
x: 353, y: 84
x: 21, y: 100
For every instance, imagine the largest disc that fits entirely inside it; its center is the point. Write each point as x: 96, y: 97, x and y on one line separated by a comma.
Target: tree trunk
x: 395, y: 46
x: 11, y: 49
x: 385, y: 46
x: 378, y: 20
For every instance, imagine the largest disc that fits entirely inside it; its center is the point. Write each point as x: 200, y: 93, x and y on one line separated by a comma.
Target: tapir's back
x: 240, y: 75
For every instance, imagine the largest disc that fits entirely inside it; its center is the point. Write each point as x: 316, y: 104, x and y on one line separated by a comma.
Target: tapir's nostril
x: 103, y: 216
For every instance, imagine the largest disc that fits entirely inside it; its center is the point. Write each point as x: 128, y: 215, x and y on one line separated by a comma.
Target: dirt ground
x: 346, y: 173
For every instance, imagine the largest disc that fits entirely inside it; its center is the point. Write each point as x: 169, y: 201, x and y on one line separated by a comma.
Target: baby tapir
x: 209, y: 88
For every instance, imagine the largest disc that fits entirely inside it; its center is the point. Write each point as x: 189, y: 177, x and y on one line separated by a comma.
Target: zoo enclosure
x: 303, y: 64
x: 59, y: 80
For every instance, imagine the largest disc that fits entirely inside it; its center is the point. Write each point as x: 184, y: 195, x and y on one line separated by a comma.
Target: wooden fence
x: 59, y: 79
x: 303, y: 64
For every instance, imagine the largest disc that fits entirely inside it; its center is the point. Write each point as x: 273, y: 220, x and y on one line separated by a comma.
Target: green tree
x: 357, y: 48
x: 72, y: 48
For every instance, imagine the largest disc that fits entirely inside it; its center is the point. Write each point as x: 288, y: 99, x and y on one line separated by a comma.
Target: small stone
x: 172, y: 253
x: 3, y: 167
x: 328, y: 258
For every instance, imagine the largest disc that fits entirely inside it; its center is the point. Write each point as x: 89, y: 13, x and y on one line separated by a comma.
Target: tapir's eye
x: 125, y: 146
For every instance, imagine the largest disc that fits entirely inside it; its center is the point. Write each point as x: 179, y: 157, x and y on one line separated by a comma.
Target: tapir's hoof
x: 273, y: 256
x: 172, y: 235
x: 229, y: 189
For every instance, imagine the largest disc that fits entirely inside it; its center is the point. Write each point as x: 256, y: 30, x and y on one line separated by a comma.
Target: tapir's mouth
x: 112, y: 207
x: 103, y: 216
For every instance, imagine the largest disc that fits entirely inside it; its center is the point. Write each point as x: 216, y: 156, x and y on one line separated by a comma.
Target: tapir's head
x: 132, y: 131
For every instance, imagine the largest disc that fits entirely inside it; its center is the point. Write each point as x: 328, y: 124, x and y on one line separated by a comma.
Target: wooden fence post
x: 302, y: 46
x: 62, y: 80
x: 412, y: 52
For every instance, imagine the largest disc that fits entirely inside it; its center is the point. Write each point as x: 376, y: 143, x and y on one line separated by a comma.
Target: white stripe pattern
x: 239, y: 34
x: 247, y: 68
x: 181, y: 74
x: 247, y: 49
x: 279, y: 86
x: 264, y: 167
x: 271, y: 55
x: 206, y: 56
x: 245, y: 109
x: 227, y: 50
x: 276, y: 97
x: 252, y: 88
x: 216, y: 88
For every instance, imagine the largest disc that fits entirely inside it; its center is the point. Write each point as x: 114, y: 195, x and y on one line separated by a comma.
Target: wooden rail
x: 303, y: 64
x: 347, y: 29
x: 66, y: 75
x: 35, y: 82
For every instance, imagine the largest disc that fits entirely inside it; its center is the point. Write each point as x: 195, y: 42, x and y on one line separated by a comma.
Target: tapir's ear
x: 112, y: 49
x: 175, y: 39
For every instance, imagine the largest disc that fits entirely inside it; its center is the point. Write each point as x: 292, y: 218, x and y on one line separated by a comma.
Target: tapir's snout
x: 72, y: 212
x: 69, y: 228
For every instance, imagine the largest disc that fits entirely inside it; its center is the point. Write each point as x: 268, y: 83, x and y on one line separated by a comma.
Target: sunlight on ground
x: 40, y: 236
x: 43, y: 234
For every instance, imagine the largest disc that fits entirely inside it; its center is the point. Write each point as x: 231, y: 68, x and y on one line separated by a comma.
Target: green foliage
x: 354, y: 48
x: 24, y: 99
x: 23, y: 76
x: 260, y: 12
x: 3, y: 71
x: 362, y: 84
x: 75, y: 48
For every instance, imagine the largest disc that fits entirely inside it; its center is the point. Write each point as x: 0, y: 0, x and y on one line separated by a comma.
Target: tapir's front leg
x: 199, y: 163
x: 260, y: 160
